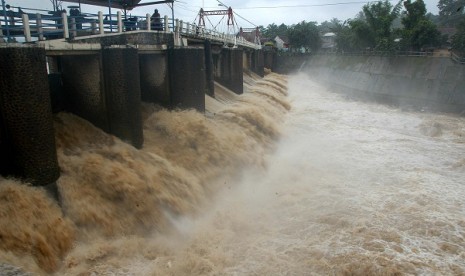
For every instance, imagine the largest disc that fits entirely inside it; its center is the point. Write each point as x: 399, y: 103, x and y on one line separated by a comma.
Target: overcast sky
x: 248, y: 12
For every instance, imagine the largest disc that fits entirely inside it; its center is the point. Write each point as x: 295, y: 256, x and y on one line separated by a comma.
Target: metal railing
x: 32, y: 27
x: 453, y: 56
x: 457, y: 58
x: 381, y: 53
x: 194, y: 31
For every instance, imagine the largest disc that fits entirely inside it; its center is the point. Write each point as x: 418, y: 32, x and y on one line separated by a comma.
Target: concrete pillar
x: 187, y: 78
x: 246, y: 60
x: 154, y: 78
x: 231, y: 70
x: 210, y: 79
x: 27, y: 139
x: 122, y: 93
x: 258, y: 63
x: 83, y: 88
x: 268, y: 59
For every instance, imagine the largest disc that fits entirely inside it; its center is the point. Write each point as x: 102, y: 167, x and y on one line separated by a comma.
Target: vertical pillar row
x: 27, y: 139
x: 123, y: 94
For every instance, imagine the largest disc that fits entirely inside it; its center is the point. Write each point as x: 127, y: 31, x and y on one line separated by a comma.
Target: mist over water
x: 255, y: 187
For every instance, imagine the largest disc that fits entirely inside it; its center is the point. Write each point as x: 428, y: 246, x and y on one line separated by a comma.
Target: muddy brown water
x: 264, y: 184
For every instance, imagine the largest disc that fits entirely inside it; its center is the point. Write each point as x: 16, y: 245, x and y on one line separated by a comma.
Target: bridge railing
x: 457, y: 58
x: 195, y: 31
x: 28, y: 27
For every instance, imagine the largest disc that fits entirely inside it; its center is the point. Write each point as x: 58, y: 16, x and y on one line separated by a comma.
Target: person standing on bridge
x: 155, y: 21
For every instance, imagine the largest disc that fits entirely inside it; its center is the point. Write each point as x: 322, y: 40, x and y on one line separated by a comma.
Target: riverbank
x: 423, y: 83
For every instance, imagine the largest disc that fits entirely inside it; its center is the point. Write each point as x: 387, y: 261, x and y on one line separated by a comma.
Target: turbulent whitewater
x: 287, y: 179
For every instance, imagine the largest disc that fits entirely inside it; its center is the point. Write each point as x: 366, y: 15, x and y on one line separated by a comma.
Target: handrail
x: 380, y: 53
x: 32, y: 27
x: 453, y: 56
x: 457, y: 58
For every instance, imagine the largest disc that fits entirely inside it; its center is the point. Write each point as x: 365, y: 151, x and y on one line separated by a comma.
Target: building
x: 282, y: 43
x: 328, y: 42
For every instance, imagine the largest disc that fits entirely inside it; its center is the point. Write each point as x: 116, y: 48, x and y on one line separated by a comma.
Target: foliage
x: 451, y: 12
x: 363, y: 36
x: 304, y: 34
x: 328, y: 26
x: 380, y: 16
x: 458, y: 40
x: 274, y: 30
x: 425, y: 34
x: 371, y: 29
x: 415, y: 12
x: 418, y: 31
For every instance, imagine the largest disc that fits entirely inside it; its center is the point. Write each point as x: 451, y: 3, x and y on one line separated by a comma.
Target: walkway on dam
x: 49, y: 25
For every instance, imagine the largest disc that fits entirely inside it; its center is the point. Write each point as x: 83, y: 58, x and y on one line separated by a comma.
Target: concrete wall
x: 422, y: 82
x: 209, y: 69
x: 105, y: 90
x: 83, y: 88
x: 229, y: 69
x: 122, y: 94
x: 187, y: 78
x: 130, y: 38
x: 154, y: 78
x: 258, y: 63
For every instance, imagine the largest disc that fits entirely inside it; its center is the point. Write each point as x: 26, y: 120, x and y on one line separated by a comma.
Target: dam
x: 339, y: 165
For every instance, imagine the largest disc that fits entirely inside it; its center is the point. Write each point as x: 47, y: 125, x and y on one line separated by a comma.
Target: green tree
x: 304, y: 34
x: 425, y: 34
x: 418, y: 31
x: 458, y: 40
x: 415, y: 12
x: 328, y: 26
x: 363, y: 36
x: 380, y: 16
x: 274, y: 30
x: 450, y: 12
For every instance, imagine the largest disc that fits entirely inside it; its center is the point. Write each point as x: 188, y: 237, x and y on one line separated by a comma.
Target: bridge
x: 101, y: 68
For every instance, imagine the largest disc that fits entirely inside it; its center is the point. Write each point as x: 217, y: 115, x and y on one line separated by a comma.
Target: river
x: 311, y: 183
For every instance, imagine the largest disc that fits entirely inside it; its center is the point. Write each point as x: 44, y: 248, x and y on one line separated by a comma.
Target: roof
x: 329, y: 34
x: 285, y: 39
x: 119, y: 4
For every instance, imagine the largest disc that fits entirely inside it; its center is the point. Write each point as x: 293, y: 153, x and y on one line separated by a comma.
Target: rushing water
x: 330, y: 187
